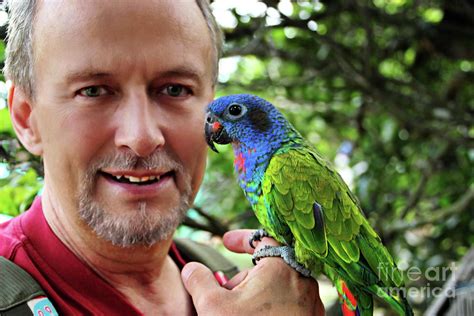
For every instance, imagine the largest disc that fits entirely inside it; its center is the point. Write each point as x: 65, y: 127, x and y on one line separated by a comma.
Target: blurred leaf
x: 5, y: 123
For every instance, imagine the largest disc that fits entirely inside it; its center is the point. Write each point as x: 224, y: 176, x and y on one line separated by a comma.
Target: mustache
x: 160, y: 160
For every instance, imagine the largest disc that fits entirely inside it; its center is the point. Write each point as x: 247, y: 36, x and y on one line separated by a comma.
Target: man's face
x: 120, y: 92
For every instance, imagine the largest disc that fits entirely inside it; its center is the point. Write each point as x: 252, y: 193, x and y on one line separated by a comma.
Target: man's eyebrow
x: 76, y: 76
x: 182, y: 72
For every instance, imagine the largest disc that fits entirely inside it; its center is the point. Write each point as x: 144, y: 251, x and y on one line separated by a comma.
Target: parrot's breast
x: 250, y: 173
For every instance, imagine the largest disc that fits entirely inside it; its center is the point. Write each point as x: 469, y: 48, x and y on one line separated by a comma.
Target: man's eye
x: 175, y: 90
x: 93, y: 91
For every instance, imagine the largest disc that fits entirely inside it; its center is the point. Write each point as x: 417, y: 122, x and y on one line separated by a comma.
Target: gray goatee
x: 144, y: 226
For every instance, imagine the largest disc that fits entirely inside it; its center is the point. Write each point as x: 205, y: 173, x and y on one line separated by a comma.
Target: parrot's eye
x: 236, y: 111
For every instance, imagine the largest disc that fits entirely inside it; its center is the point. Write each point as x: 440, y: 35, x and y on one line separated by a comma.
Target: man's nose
x: 139, y: 126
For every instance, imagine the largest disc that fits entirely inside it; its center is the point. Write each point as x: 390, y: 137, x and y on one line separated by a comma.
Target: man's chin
x: 142, y: 226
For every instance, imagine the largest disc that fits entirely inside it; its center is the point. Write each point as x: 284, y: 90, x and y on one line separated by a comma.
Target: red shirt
x: 72, y: 286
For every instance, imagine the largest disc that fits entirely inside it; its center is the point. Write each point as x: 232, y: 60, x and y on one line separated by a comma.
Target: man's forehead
x: 66, y: 15
x: 81, y: 30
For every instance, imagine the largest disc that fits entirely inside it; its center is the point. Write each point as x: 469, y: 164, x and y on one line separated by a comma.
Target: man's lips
x: 136, y: 177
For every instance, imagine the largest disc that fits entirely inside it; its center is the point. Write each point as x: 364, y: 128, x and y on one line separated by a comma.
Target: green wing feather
x: 294, y: 181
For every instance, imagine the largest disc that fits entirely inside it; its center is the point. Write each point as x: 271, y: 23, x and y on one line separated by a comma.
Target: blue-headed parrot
x: 304, y: 204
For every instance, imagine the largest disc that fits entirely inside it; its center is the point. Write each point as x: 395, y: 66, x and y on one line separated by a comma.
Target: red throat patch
x: 239, y: 162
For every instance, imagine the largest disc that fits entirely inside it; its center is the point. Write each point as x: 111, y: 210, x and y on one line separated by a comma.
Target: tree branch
x: 420, y: 188
x: 242, y: 217
x: 436, y: 215
x: 214, y: 225
x: 188, y: 221
x: 416, y: 196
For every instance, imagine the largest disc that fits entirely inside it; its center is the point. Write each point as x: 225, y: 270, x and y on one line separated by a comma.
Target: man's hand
x: 269, y: 288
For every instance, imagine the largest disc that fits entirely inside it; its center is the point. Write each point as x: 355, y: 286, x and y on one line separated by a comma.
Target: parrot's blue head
x: 244, y: 119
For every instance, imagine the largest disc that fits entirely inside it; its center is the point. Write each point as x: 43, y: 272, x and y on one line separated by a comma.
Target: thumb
x: 198, y: 279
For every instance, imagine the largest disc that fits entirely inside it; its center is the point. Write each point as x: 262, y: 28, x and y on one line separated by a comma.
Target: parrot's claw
x: 257, y: 236
x: 287, y: 253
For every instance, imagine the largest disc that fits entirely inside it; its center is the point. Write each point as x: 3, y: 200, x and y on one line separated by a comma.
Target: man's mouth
x: 137, y: 180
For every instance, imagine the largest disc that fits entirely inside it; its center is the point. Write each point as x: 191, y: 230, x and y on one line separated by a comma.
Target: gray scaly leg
x: 287, y: 253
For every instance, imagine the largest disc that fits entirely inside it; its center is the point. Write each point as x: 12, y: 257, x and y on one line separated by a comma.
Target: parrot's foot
x: 257, y: 236
x: 286, y: 252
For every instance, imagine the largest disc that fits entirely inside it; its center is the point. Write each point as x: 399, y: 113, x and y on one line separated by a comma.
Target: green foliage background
x: 383, y: 88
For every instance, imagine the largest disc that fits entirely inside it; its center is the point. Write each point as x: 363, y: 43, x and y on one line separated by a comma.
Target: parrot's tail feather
x: 360, y: 303
x: 347, y: 312
x: 362, y: 306
x: 398, y: 302
x: 407, y: 306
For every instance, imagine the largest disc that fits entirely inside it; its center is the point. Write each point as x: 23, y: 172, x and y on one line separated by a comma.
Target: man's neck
x: 147, y: 276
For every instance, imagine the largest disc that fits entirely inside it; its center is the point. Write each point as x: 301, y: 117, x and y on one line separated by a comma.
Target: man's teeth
x: 138, y: 179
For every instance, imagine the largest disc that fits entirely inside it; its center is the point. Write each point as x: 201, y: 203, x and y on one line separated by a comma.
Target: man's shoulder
x: 10, y: 237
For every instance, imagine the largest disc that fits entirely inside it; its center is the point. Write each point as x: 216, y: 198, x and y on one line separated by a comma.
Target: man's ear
x: 23, y: 120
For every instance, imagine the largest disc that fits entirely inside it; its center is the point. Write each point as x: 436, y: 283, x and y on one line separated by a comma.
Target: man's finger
x: 197, y: 277
x: 320, y: 310
x: 238, y: 241
x: 236, y: 280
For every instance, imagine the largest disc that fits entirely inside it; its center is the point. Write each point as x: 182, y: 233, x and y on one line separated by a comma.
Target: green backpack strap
x: 194, y: 251
x: 20, y: 294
